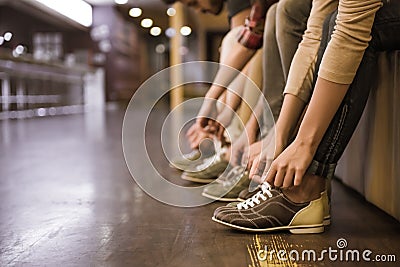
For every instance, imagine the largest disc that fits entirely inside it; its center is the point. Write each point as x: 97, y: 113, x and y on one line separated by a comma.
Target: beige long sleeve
x: 344, y: 51
x: 349, y: 40
x: 302, y: 68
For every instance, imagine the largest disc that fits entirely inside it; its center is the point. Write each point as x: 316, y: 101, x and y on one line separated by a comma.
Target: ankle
x: 310, y: 189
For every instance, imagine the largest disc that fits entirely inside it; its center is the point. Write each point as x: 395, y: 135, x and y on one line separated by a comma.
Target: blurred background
x: 68, y: 69
x: 58, y: 56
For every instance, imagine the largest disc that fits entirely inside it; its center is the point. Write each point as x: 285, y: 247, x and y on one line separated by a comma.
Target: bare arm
x: 238, y: 58
x: 291, y: 111
x: 290, y: 166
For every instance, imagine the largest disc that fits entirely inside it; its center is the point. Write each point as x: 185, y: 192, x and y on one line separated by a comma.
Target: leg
x: 273, y: 78
x: 285, y: 25
x: 346, y: 119
x: 291, y: 22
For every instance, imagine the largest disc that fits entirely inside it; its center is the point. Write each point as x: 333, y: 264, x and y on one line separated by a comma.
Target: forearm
x: 253, y: 124
x: 232, y: 103
x: 292, y: 109
x: 243, y: 49
x: 229, y: 69
x: 350, y: 38
x: 324, y: 103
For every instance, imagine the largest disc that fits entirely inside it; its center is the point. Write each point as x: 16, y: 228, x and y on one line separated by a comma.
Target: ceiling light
x: 171, y: 11
x: 8, y: 36
x: 146, y: 23
x: 185, y: 30
x: 20, y: 49
x: 170, y: 32
x: 121, y: 2
x: 155, y: 31
x: 1, y: 40
x: 160, y: 48
x: 135, y: 12
x: 77, y: 10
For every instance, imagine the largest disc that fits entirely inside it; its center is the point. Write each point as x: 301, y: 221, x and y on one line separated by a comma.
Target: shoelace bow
x: 255, y: 200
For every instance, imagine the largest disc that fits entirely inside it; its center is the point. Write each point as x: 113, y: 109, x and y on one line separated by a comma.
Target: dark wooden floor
x: 67, y: 199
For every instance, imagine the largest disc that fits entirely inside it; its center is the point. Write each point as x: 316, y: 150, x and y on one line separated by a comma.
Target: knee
x: 297, y: 10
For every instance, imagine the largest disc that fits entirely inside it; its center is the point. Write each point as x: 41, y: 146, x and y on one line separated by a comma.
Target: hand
x: 271, y: 148
x: 196, y: 135
x: 208, y: 111
x: 238, y: 147
x: 262, y: 161
x: 290, y: 166
x: 214, y: 128
x: 251, y: 153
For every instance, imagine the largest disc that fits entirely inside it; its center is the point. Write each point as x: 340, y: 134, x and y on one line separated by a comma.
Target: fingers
x: 257, y: 169
x: 288, y: 180
x: 271, y: 173
x: 197, y: 140
x: 191, y: 131
x: 254, y: 167
x: 220, y: 134
x: 192, y: 140
x: 299, y: 174
x: 202, y: 122
x: 254, y: 152
x: 195, y: 143
x: 245, y: 160
x: 284, y: 176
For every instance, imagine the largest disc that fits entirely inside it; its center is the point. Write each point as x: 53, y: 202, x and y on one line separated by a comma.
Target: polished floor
x: 68, y: 199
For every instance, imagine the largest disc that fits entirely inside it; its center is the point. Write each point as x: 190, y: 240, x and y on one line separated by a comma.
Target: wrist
x: 251, y: 134
x: 207, y: 107
x: 281, y: 137
x: 225, y: 117
x: 214, y: 92
x: 309, y: 141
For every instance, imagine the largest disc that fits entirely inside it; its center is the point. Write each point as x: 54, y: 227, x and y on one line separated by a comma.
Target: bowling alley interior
x: 148, y: 133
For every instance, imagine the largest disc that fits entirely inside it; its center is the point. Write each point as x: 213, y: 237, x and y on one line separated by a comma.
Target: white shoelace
x: 255, y: 200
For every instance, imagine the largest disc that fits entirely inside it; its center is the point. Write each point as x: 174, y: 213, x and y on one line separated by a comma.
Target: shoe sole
x: 198, y: 180
x: 299, y: 229
x: 327, y: 219
x: 178, y: 168
x: 224, y: 199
